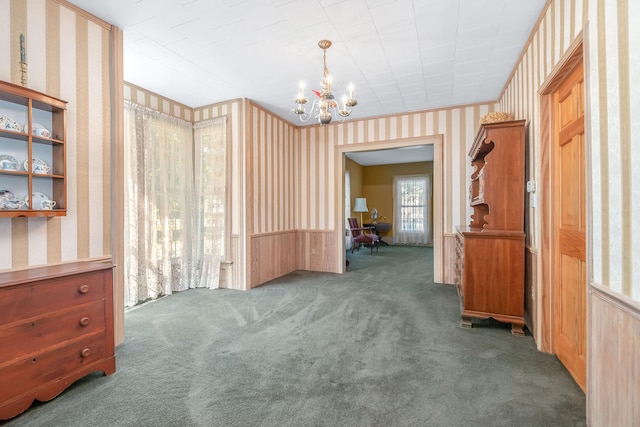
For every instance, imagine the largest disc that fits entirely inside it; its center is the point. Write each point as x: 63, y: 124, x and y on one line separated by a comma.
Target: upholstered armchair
x: 361, y: 237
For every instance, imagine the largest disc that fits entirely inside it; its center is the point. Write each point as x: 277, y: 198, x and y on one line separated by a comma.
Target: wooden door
x: 570, y: 281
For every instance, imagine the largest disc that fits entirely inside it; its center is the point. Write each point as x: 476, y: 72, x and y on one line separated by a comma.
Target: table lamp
x: 361, y: 206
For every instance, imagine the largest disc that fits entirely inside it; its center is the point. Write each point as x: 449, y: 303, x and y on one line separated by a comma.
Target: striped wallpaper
x: 317, y: 144
x: 614, y: 52
x: 157, y: 102
x: 68, y: 58
x: 274, y: 155
x: 613, y: 103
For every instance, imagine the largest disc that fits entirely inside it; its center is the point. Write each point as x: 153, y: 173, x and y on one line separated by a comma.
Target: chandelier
x: 324, y: 107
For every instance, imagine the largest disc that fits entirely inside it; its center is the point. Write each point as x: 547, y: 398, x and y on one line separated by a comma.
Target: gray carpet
x: 380, y: 345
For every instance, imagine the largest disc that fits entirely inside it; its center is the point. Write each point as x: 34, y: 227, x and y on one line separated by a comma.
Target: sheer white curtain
x: 209, y: 216
x: 158, y: 194
x: 412, y: 209
x: 164, y: 241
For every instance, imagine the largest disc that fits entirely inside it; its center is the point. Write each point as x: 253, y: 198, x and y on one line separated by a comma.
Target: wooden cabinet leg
x: 517, y: 329
x: 466, y: 322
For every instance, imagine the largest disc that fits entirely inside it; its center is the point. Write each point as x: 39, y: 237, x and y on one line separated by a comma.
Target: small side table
x: 380, y: 227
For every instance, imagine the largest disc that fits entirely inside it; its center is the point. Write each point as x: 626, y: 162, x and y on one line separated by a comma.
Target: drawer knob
x: 86, y: 352
x: 83, y: 289
x: 84, y: 321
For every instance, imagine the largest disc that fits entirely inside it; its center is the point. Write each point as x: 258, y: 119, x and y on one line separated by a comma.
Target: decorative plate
x: 8, y: 200
x: 39, y: 166
x: 9, y: 163
x: 38, y: 130
x: 38, y: 198
x: 10, y: 124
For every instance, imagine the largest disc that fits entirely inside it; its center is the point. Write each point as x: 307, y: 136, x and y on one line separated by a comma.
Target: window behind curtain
x: 412, y: 198
x: 173, y: 216
x: 165, y: 163
x: 210, y: 212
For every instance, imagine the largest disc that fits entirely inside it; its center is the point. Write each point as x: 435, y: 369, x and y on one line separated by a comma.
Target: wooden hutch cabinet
x: 490, y: 250
x: 32, y: 153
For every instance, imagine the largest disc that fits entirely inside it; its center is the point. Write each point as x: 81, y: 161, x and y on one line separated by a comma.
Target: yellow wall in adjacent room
x: 377, y: 187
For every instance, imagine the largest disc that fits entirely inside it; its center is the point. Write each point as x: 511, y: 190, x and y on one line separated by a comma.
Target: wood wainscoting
x: 613, y: 364
x: 272, y: 255
x: 449, y: 249
x: 275, y: 254
x: 316, y: 250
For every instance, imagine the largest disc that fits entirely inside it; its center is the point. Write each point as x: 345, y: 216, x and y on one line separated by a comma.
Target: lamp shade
x: 361, y: 205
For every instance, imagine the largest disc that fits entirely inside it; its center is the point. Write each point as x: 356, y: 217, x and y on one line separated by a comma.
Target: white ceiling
x: 401, y: 55
x: 416, y: 153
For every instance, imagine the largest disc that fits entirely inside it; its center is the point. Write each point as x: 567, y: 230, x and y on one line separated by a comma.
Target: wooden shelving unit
x: 32, y: 110
x: 490, y: 250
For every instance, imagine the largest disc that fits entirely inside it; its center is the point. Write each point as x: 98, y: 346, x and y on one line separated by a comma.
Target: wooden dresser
x: 56, y: 326
x: 490, y: 250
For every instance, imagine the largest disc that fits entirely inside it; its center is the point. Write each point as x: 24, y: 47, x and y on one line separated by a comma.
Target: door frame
x: 437, y: 186
x: 544, y: 325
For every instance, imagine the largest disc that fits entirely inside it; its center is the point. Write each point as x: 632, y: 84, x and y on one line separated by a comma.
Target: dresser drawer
x: 25, y: 374
x: 36, y: 298
x: 36, y: 334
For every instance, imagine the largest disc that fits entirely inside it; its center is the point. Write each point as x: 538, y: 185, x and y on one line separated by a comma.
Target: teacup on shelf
x: 41, y: 169
x: 48, y: 204
x: 8, y: 165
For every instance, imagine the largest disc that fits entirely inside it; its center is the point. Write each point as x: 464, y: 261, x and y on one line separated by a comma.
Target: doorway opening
x: 434, y: 141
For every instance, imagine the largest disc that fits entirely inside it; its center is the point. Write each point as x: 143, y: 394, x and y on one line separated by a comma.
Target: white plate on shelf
x: 38, y: 130
x: 8, y: 123
x: 9, y: 163
x: 39, y: 166
x: 38, y: 198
